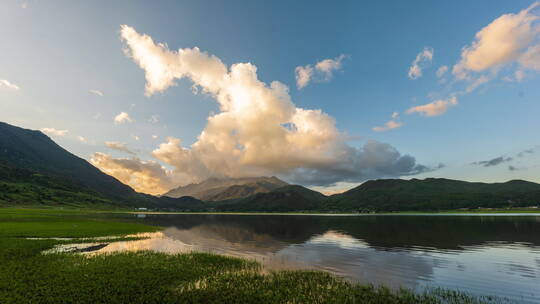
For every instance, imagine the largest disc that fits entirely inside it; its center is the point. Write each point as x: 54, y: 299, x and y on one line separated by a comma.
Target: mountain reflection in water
x: 484, y: 255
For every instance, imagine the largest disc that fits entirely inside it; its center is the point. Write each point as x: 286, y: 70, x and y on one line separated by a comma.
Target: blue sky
x: 56, y: 52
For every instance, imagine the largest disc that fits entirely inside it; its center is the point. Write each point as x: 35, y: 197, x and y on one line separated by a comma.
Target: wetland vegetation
x: 27, y: 275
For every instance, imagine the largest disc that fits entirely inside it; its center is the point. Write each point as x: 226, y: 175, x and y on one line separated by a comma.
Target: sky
x: 327, y: 95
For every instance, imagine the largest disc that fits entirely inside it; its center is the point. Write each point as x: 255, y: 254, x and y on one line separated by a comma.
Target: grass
x: 65, y: 223
x: 28, y: 276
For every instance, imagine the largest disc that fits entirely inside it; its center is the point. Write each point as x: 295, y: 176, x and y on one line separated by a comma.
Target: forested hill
x: 434, y: 194
x: 33, y: 150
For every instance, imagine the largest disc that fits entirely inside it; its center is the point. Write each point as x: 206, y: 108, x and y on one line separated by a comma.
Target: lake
x: 480, y: 254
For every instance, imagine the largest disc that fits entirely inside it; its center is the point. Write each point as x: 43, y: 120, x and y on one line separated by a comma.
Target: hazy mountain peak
x: 227, y: 188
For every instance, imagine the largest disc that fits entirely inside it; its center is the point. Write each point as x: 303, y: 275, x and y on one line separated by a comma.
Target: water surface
x: 480, y: 254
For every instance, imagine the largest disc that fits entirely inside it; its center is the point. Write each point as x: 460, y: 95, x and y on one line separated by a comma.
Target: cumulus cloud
x: 54, y: 132
x: 118, y: 146
x: 435, y: 108
x: 420, y: 62
x: 493, y: 162
x: 143, y: 176
x: 508, y: 39
x: 258, y: 130
x: 121, y: 118
x: 96, y: 92
x: 391, y: 124
x: 321, y: 71
x: 9, y: 85
x: 82, y: 139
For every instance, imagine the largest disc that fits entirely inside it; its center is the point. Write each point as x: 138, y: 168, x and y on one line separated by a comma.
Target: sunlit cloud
x: 423, y: 59
x: 144, y: 176
x: 121, y: 118
x: 321, y: 71
x: 118, y: 146
x: 441, y: 71
x: 96, y: 92
x: 434, y: 108
x: 7, y: 84
x: 82, y: 139
x: 258, y: 129
x: 54, y: 132
x: 509, y: 39
x: 391, y: 124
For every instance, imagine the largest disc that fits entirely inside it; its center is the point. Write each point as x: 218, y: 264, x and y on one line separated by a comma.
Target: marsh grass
x: 28, y: 276
x: 66, y: 223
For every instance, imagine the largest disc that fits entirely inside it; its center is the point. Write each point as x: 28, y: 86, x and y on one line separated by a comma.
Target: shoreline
x: 516, y: 213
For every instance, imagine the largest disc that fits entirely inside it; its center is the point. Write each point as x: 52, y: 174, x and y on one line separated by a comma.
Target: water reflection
x: 483, y: 255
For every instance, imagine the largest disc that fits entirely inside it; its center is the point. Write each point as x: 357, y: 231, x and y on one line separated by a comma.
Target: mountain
x: 32, y: 163
x: 433, y: 194
x: 283, y: 199
x: 217, y: 189
x: 24, y: 187
x: 35, y: 151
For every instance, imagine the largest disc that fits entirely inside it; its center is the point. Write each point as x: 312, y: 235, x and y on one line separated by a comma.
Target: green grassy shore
x: 28, y: 276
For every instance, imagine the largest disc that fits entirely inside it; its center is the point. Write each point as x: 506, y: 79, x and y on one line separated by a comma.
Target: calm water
x: 483, y: 255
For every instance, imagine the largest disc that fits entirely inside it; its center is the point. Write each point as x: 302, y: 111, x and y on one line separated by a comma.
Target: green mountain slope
x: 433, y: 194
x: 35, y: 151
x: 288, y: 198
x: 37, y: 171
x: 22, y: 187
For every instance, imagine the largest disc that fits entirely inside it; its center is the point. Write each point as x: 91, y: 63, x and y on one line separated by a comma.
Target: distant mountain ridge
x: 284, y: 199
x: 35, y: 170
x: 434, y: 194
x: 217, y: 189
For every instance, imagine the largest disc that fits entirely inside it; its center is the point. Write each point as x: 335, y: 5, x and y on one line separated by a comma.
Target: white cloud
x: 322, y: 71
x: 96, y: 92
x: 435, y: 108
x: 154, y: 136
x: 53, y: 131
x: 303, y: 75
x: 506, y: 40
x: 119, y: 146
x: 154, y: 119
x: 531, y: 58
x: 144, y: 176
x: 258, y: 130
x: 441, y: 71
x: 9, y: 85
x: 328, y: 66
x: 476, y: 82
x: 135, y: 137
x: 391, y: 124
x: 121, y: 118
x: 82, y: 139
x: 420, y: 62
